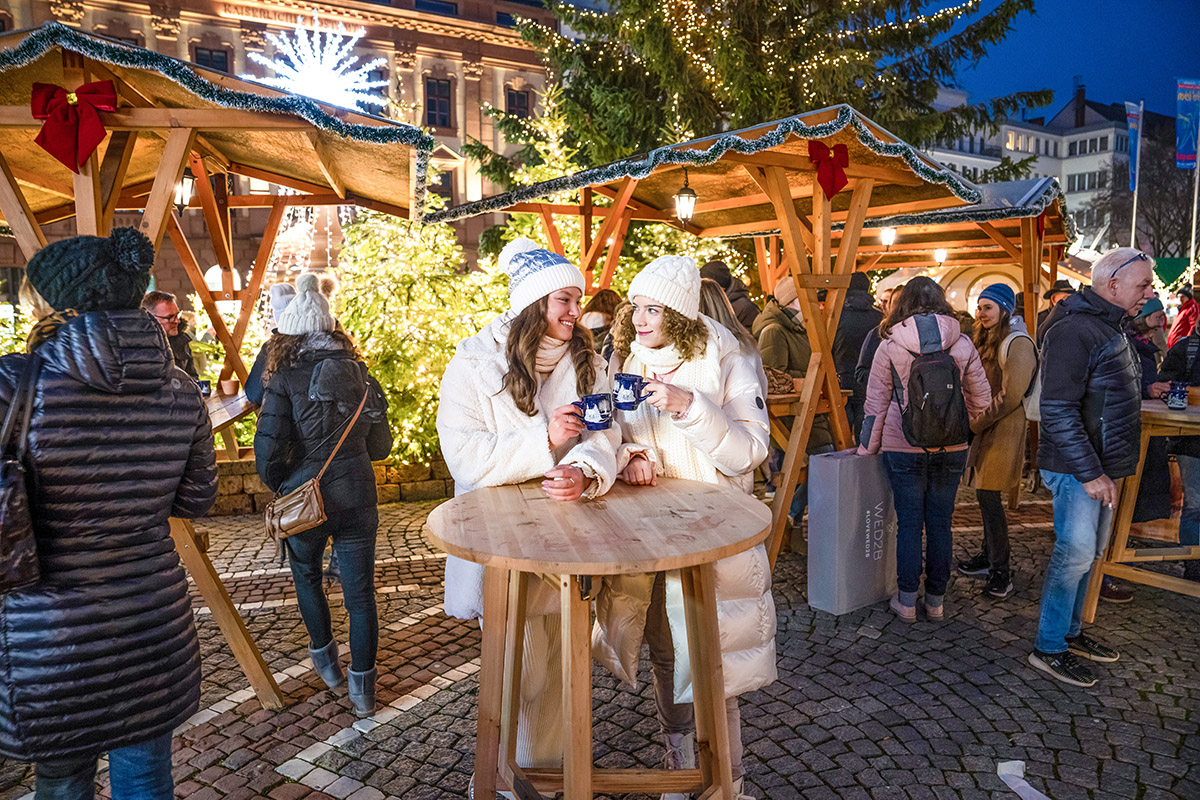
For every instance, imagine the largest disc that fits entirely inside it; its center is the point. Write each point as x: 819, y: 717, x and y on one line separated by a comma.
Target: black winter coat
x: 859, y: 318
x: 101, y: 653
x: 743, y: 306
x: 1174, y: 368
x: 1091, y: 391
x: 304, y: 411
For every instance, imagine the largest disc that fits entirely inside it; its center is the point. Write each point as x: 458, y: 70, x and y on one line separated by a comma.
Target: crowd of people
x: 119, y: 440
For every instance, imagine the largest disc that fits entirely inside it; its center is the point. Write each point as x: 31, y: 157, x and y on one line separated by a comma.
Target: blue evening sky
x: 1123, y: 49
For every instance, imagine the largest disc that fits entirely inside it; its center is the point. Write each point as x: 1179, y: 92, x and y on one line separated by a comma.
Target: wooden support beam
x: 326, y: 164
x: 765, y: 267
x: 217, y: 222
x: 138, y: 119
x: 743, y: 201
x: 162, y: 193
x: 645, y: 211
x: 999, y: 238
x: 869, y: 263
x: 15, y: 208
x: 196, y: 275
x: 36, y: 180
x: 795, y: 459
x: 87, y: 197
x: 277, y: 179
x: 113, y: 170
x: 607, y: 228
x: 258, y: 271
x: 551, y: 231
x: 1029, y: 272
x: 614, y: 250
x: 585, y: 230
x: 767, y: 224
x: 799, y: 163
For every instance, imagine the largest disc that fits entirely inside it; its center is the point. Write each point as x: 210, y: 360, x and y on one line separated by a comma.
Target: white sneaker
x: 737, y: 790
x: 681, y: 754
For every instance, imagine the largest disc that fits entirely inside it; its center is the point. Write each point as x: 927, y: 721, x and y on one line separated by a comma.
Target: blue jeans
x: 1189, y: 520
x: 353, y: 535
x: 1081, y: 530
x: 923, y: 487
x: 138, y: 772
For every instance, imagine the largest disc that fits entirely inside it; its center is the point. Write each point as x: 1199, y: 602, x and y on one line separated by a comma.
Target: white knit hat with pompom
x: 673, y: 281
x: 309, y: 310
x: 534, y: 273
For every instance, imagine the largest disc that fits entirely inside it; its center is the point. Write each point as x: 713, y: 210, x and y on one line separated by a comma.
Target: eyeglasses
x: 1138, y: 257
x: 168, y: 318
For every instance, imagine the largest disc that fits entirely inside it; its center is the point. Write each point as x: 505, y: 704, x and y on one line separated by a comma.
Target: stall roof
x: 731, y: 202
x: 244, y: 127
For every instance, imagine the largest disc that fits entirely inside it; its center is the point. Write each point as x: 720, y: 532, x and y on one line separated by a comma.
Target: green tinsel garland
x: 55, y: 34
x: 641, y: 166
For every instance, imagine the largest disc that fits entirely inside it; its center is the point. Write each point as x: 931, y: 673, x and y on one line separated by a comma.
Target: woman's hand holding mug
x: 565, y: 424
x: 668, y: 398
x: 565, y: 483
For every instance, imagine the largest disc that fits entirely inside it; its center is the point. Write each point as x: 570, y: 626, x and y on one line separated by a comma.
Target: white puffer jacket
x: 487, y: 441
x: 727, y: 430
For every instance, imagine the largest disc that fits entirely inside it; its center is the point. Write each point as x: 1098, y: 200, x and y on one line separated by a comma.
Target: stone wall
x: 239, y: 490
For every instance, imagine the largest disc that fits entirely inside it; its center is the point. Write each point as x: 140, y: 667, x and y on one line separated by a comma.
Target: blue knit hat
x: 1002, y: 295
x: 1152, y: 305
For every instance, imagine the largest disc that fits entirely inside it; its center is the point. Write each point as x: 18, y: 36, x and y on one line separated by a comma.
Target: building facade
x: 444, y: 62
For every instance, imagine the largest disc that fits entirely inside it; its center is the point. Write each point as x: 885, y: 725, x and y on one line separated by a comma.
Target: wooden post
x: 765, y: 267
x: 491, y: 680
x: 614, y: 250
x: 113, y: 169
x: 795, y: 459
x: 162, y: 192
x: 577, y: 689
x: 17, y: 213
x: 1029, y: 272
x: 258, y: 272
x: 88, y: 212
x: 585, y: 229
x: 551, y: 230
x: 226, y: 616
x: 607, y: 228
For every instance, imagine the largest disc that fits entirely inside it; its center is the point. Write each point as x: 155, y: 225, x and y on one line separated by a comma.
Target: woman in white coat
x: 506, y: 417
x: 705, y: 420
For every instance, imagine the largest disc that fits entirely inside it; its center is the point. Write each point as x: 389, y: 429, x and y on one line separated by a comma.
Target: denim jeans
x: 1081, y: 530
x: 354, y: 545
x: 923, y: 487
x: 1189, y: 520
x: 138, y: 772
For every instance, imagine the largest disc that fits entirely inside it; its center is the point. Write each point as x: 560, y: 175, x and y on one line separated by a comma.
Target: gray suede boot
x: 325, y: 662
x: 362, y: 691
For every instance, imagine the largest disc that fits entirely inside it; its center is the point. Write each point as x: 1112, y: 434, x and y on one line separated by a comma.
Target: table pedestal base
x: 504, y: 603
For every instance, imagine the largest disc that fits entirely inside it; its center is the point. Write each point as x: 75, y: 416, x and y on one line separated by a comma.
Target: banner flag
x: 1133, y: 116
x: 1187, y: 122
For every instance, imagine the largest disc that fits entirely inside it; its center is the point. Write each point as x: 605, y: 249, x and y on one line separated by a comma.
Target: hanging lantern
x: 888, y: 237
x: 184, y: 190
x: 685, y: 201
x: 940, y: 256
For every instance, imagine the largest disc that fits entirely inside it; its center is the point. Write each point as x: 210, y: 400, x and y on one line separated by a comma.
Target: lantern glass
x: 685, y: 204
x: 887, y: 236
x: 940, y: 256
x: 184, y: 190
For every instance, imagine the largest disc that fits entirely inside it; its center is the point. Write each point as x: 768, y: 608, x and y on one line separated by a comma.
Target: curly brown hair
x: 283, y: 350
x: 524, y: 336
x: 689, y: 336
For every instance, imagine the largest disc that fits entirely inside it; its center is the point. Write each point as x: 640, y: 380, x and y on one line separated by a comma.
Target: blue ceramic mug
x: 597, y: 411
x: 205, y: 388
x: 1176, y: 397
x: 627, y: 390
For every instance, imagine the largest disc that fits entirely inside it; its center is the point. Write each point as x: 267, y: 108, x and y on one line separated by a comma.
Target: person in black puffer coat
x: 859, y: 318
x: 1182, y: 363
x: 100, y: 655
x: 316, y: 381
x: 1091, y: 398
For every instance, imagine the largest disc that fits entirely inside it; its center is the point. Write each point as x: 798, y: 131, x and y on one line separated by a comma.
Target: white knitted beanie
x: 534, y: 273
x: 281, y: 295
x: 673, y: 281
x: 309, y: 310
x: 785, y: 291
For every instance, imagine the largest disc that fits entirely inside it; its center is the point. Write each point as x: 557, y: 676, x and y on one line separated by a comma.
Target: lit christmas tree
x: 321, y: 65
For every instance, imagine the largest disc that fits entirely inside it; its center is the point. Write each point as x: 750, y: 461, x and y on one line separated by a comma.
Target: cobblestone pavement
x: 865, y: 706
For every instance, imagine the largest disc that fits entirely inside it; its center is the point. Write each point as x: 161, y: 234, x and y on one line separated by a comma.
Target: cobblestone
x: 865, y: 706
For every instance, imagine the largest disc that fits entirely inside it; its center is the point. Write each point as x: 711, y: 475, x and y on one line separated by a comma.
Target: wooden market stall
x: 813, y: 178
x: 124, y: 123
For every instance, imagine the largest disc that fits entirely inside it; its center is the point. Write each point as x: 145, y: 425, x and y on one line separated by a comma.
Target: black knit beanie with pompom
x: 89, y: 273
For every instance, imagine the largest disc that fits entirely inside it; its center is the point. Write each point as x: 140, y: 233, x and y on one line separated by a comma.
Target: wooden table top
x: 631, y: 529
x: 224, y: 410
x: 1156, y: 411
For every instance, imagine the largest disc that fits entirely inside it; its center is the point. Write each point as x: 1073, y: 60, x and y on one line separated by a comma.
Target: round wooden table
x: 517, y: 533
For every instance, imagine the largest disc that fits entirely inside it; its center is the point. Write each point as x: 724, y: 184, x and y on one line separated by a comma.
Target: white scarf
x: 649, y: 426
x: 550, y: 351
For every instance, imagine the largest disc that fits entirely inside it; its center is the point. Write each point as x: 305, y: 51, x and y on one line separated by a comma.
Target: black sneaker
x: 1087, y: 647
x: 999, y: 585
x: 1063, y: 667
x: 978, y: 565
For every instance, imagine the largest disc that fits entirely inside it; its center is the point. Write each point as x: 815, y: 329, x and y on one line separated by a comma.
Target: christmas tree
x: 652, y: 72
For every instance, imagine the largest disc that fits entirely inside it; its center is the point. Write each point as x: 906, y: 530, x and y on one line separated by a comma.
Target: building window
x: 1011, y: 141
x: 213, y: 58
x: 532, y: 3
x: 437, y: 102
x: 505, y: 20
x: 1071, y: 148
x: 1103, y: 143
x: 1056, y: 149
x: 437, y: 7
x: 517, y: 103
x: 443, y: 186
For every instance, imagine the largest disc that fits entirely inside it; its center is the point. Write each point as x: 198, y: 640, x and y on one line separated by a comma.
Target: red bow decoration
x: 72, y: 130
x: 1041, y: 224
x: 831, y: 166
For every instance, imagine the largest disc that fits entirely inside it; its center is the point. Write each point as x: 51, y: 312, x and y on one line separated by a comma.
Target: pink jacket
x: 881, y: 415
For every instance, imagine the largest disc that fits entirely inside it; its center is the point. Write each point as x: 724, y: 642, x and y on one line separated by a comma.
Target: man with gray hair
x: 1091, y: 427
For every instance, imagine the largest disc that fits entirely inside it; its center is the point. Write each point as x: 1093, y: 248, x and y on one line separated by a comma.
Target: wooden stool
x: 518, y: 533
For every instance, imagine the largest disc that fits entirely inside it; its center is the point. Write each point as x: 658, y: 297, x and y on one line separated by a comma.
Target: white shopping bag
x: 851, y: 532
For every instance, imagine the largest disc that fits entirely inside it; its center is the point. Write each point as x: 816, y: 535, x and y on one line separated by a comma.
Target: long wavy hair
x: 524, y: 336
x: 988, y: 340
x: 689, y: 336
x: 283, y: 350
x: 921, y: 295
x: 714, y: 303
